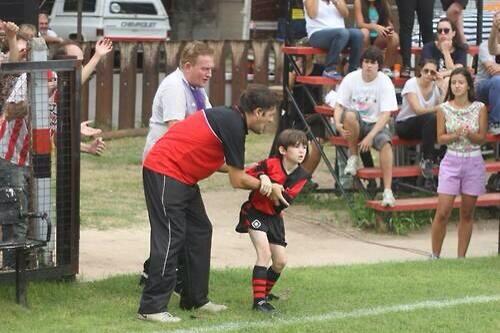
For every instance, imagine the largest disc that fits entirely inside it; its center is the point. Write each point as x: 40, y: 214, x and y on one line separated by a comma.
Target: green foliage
x: 362, y: 217
x: 319, y: 299
x: 402, y: 223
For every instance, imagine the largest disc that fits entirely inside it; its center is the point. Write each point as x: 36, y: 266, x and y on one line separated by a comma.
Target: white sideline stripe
x: 342, y: 315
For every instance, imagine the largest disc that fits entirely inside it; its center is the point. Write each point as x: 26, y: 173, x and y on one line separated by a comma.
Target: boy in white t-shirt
x: 366, y: 98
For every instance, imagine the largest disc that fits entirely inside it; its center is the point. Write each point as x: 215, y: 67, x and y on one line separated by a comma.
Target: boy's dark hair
x: 291, y: 137
x: 373, y: 53
x: 257, y: 96
x: 470, y: 84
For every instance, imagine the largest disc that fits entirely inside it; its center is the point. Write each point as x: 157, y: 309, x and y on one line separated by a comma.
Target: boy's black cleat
x: 263, y: 306
x: 272, y: 297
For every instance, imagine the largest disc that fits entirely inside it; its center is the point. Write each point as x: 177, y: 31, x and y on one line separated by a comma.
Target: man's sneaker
x: 426, y: 169
x: 263, y: 306
x: 162, y: 317
x: 334, y: 75
x: 388, y: 198
x: 433, y: 256
x: 352, y: 166
x: 494, y: 128
x: 212, y: 307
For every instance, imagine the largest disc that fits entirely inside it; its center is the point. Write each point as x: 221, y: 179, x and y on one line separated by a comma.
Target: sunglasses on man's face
x: 443, y: 31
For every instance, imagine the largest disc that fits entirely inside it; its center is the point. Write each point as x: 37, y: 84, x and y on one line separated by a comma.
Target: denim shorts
x: 462, y: 175
x: 379, y: 140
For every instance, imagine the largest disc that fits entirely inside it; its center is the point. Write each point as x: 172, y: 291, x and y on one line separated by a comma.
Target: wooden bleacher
x: 415, y: 204
x: 408, y: 204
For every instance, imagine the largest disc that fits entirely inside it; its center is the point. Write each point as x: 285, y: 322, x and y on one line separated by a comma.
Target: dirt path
x: 120, y: 251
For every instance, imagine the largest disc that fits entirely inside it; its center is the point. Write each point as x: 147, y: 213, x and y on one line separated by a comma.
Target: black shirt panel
x: 229, y: 126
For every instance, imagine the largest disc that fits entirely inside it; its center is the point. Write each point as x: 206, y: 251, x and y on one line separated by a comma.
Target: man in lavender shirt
x: 181, y: 93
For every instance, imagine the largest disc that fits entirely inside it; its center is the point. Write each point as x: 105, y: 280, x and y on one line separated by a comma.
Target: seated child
x: 261, y: 218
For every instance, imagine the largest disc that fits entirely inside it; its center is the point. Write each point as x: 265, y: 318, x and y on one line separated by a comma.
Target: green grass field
x: 426, y: 296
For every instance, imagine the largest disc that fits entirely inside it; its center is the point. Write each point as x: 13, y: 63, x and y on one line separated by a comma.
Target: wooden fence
x: 236, y: 64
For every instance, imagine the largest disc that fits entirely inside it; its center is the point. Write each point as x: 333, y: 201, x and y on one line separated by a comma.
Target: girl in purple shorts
x: 461, y: 126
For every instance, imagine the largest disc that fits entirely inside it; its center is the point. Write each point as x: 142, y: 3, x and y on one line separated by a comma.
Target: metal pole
x: 79, y: 21
x: 247, y: 16
x: 479, y: 30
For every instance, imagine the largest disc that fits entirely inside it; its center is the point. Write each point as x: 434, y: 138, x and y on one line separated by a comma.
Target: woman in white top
x: 326, y: 30
x: 417, y: 118
x: 461, y: 126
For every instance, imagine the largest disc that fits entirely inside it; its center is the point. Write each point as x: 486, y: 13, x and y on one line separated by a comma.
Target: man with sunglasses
x: 366, y: 98
x: 488, y: 75
x: 445, y: 50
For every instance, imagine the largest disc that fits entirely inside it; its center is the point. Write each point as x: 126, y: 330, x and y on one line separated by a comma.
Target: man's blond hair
x: 193, y: 50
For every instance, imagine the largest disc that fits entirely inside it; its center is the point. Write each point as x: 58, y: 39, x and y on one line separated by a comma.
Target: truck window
x: 117, y: 7
x: 72, y: 5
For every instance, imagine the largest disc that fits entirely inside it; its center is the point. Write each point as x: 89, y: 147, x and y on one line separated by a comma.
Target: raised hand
x: 103, y: 47
x: 11, y: 29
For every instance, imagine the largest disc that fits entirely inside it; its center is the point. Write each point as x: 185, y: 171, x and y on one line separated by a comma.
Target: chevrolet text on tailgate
x: 126, y: 20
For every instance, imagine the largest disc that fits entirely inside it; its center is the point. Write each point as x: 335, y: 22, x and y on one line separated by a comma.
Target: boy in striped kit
x: 262, y: 219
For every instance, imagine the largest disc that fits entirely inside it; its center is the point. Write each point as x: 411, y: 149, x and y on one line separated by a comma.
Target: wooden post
x: 104, y: 93
x: 149, y: 79
x: 173, y: 53
x: 239, y: 50
x: 261, y: 61
x: 218, y: 80
x: 128, y: 78
x: 278, y: 62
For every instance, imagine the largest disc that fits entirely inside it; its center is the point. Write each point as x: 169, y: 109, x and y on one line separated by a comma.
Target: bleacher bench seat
x: 414, y: 204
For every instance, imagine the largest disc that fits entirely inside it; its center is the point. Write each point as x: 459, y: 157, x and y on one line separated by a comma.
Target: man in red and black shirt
x: 190, y: 151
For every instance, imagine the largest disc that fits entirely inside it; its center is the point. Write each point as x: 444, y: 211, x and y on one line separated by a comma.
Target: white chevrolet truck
x: 119, y: 20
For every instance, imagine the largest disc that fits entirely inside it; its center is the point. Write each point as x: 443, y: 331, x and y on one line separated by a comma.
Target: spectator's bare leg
x: 351, y: 124
x: 386, y: 160
x: 366, y: 37
x: 466, y: 223
x: 391, y: 51
x: 445, y: 206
